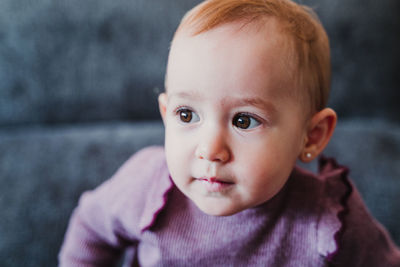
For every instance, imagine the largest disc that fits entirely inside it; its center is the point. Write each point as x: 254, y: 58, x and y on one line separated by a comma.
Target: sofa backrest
x: 79, y: 61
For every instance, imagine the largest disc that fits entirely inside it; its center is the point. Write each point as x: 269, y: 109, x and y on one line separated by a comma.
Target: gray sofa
x: 78, y: 88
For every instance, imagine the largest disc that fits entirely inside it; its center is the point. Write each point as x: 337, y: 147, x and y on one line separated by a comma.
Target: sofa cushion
x: 44, y: 170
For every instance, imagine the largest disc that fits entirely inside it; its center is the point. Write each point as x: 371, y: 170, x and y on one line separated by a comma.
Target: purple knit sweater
x: 312, y: 221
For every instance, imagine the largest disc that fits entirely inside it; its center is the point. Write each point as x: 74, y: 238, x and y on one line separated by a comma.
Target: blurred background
x: 78, y: 87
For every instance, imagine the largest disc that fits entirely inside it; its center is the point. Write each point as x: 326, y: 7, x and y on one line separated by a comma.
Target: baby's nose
x: 213, y: 147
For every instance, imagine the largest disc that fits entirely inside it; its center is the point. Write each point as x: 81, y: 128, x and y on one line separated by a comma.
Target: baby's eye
x: 244, y: 121
x: 187, y: 115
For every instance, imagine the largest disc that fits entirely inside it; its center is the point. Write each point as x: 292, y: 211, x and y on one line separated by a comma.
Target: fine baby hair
x: 246, y: 90
x: 307, y: 44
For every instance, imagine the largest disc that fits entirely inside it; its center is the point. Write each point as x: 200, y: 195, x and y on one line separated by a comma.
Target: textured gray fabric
x: 44, y: 170
x: 364, y: 36
x: 68, y: 61
x: 78, y: 61
x: 42, y: 173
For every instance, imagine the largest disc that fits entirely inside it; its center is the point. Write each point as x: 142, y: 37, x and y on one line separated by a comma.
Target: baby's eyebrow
x: 258, y: 102
x: 186, y: 95
x: 232, y: 101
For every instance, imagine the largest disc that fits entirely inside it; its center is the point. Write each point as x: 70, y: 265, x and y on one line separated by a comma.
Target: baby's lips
x: 216, y: 180
x: 213, y: 179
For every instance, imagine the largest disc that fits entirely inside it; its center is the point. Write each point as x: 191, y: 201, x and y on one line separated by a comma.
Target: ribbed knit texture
x: 312, y: 221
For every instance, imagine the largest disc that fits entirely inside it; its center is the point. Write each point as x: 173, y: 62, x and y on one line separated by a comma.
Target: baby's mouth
x: 214, y: 184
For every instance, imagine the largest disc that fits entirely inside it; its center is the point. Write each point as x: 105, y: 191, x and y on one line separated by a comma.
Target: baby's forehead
x: 262, y: 47
x: 260, y: 35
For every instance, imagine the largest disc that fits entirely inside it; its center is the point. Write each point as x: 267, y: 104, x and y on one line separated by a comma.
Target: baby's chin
x: 219, y: 207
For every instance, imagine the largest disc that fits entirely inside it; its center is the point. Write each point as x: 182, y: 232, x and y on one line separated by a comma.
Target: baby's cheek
x: 263, y: 173
x: 256, y: 163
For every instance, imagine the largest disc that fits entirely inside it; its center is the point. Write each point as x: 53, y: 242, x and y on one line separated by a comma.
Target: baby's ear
x: 320, y: 131
x: 162, y: 105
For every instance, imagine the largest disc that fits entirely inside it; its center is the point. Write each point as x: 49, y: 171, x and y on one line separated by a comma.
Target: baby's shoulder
x: 137, y: 176
x: 346, y: 231
x: 134, y: 194
x: 148, y: 161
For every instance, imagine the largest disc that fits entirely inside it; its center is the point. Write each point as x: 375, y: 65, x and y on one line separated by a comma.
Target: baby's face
x: 233, y: 130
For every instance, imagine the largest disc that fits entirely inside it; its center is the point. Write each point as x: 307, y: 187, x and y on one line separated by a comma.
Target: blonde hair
x: 309, y: 41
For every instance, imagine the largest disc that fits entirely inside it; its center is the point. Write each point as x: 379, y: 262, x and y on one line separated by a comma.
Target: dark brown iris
x: 186, y: 115
x: 241, y: 121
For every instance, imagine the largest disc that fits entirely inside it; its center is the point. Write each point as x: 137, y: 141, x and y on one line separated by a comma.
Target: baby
x: 246, y: 90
